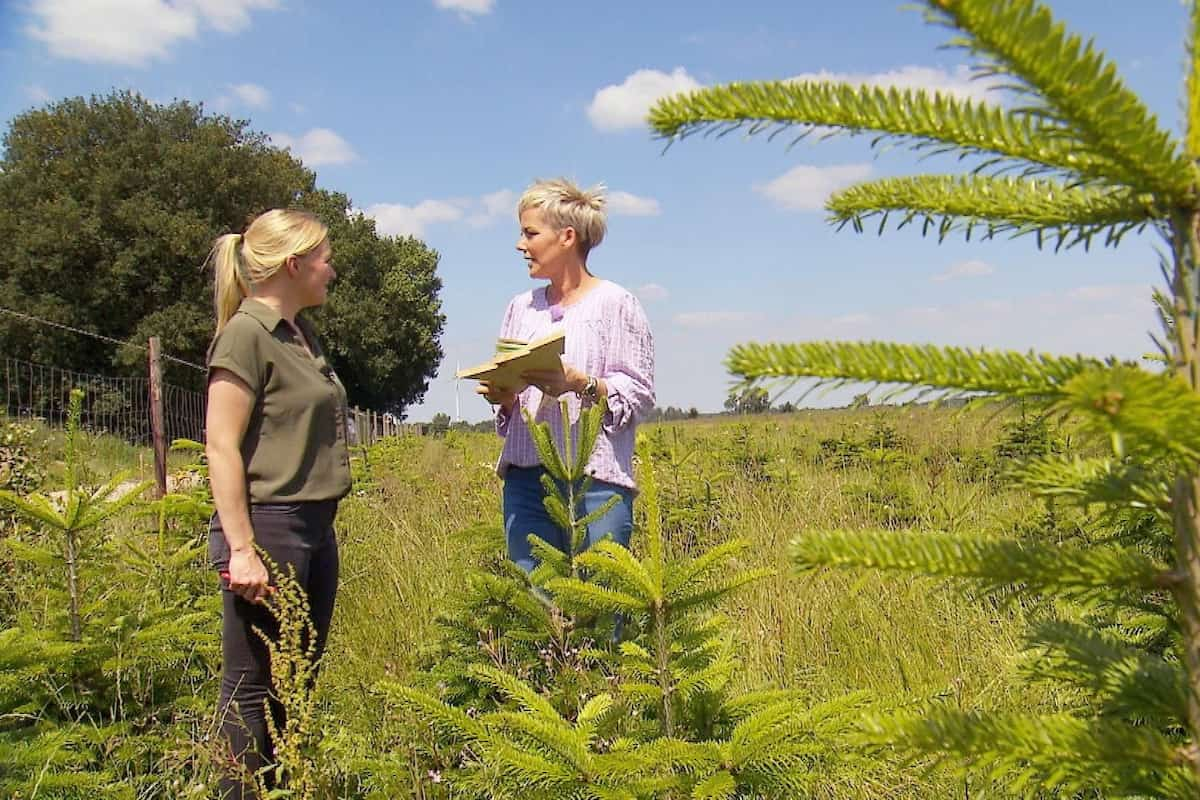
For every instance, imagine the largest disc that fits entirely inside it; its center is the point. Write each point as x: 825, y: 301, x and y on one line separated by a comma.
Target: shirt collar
x: 262, y: 313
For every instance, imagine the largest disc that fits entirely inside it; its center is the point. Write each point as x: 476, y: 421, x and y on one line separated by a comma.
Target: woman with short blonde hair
x: 609, y: 357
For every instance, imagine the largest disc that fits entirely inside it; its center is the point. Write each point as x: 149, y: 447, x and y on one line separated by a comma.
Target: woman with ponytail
x: 278, y: 460
x: 609, y: 356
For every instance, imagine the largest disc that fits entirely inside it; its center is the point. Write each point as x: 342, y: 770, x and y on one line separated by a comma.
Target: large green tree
x: 108, y: 206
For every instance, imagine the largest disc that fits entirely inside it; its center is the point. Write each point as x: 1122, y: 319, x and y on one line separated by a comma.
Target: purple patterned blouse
x: 608, y: 336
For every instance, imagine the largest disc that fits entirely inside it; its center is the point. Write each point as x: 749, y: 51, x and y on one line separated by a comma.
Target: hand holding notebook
x: 514, y: 357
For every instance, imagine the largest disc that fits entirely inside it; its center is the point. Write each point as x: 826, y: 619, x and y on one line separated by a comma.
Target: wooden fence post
x: 157, y: 429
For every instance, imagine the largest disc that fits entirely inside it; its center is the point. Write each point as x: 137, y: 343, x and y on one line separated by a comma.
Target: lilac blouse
x: 608, y: 336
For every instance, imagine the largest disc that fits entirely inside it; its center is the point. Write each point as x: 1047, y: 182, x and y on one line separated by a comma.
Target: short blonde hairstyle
x: 241, y: 260
x: 564, y: 205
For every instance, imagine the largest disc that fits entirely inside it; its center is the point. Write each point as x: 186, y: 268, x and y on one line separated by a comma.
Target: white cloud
x: 500, y: 202
x: 318, y: 146
x: 466, y: 8
x: 713, y: 319
x: 806, y: 188
x: 131, y: 32
x: 965, y: 269
x: 852, y: 319
x: 957, y: 82
x: 493, y: 206
x: 631, y: 205
x: 1105, y: 292
x: 1097, y: 319
x: 38, y: 94
x: 624, y: 106
x: 480, y: 211
x: 395, y: 219
x: 251, y: 94
x: 651, y: 292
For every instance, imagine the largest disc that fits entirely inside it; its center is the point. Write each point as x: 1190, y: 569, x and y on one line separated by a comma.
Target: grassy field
x: 766, y: 479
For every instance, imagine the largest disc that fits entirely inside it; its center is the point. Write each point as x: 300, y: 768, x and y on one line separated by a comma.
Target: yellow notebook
x: 504, y: 369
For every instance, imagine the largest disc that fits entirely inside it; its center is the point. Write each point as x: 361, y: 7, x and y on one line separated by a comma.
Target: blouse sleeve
x: 507, y: 326
x: 630, y: 375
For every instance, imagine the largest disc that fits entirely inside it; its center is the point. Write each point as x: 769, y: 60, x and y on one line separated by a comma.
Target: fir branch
x: 705, y: 595
x: 701, y: 567
x: 594, y: 711
x: 543, y: 442
x: 1056, y: 753
x: 748, y: 703
x: 100, y: 506
x: 1192, y: 132
x: 514, y: 689
x: 579, y: 595
x: 498, y: 591
x: 946, y: 203
x: 447, y: 720
x: 718, y: 786
x: 524, y: 772
x: 1123, y: 680
x: 556, y: 508
x: 696, y: 758
x: 957, y: 369
x: 551, y: 562
x: 1142, y: 412
x: 1072, y: 85
x: 553, y: 739
x: 997, y: 565
x: 590, y: 423
x: 1089, y: 481
x: 713, y: 674
x: 615, y: 565
x: 914, y: 117
x: 34, y: 507
x: 600, y: 511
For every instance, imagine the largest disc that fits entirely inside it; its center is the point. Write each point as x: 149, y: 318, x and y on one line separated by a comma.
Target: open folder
x: 514, y: 357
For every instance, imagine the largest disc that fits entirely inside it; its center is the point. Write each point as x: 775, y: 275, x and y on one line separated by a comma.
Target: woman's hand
x: 497, y: 396
x: 247, y: 576
x: 554, y: 382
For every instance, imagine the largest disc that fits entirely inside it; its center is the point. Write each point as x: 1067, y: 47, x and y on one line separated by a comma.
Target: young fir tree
x: 106, y: 647
x: 1074, y: 158
x: 658, y: 715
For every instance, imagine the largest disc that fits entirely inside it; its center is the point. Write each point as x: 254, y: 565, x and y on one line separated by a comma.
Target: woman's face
x: 314, y: 275
x: 543, y: 247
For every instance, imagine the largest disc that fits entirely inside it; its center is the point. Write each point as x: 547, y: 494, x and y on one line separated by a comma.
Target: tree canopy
x: 108, y: 206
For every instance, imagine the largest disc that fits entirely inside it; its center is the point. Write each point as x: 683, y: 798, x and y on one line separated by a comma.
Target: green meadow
x: 425, y: 512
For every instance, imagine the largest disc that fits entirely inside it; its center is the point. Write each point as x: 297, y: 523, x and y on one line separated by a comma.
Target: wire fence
x: 121, y: 406
x: 116, y: 406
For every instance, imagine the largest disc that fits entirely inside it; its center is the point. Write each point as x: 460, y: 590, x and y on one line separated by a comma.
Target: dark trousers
x: 299, y: 535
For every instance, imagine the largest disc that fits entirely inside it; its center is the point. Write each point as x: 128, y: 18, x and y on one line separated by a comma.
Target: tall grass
x: 405, y: 556
x: 763, y: 479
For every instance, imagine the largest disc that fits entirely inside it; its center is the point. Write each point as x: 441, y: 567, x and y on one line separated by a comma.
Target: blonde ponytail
x: 229, y: 285
x: 241, y: 260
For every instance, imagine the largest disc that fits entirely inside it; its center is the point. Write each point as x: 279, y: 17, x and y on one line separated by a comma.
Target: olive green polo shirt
x: 295, y: 444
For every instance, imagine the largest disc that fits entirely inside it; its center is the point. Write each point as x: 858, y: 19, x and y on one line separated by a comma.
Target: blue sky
x: 432, y: 115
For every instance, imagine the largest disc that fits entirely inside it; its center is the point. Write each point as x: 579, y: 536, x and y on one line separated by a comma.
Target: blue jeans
x: 524, y: 514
